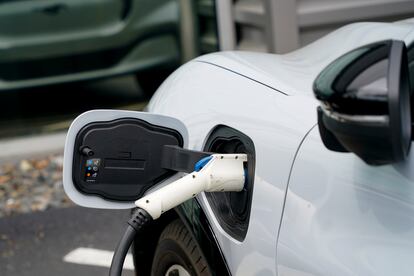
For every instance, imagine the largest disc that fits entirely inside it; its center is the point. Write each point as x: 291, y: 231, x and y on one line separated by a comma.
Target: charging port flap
x: 113, y: 157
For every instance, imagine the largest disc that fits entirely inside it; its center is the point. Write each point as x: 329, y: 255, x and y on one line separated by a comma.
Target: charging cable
x: 214, y: 173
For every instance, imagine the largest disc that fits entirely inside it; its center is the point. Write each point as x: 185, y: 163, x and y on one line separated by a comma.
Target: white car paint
x: 314, y: 211
x: 269, y: 118
x: 282, y: 72
x: 342, y: 217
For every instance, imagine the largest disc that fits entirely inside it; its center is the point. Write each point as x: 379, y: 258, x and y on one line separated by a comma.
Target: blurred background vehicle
x: 59, y: 58
x: 53, y: 42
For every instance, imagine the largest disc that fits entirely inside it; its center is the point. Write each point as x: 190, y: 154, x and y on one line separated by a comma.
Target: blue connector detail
x: 201, y: 163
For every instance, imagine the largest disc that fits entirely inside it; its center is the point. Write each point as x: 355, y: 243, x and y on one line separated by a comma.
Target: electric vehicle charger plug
x: 215, y: 173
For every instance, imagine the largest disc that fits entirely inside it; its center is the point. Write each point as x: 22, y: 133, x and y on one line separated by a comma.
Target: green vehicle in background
x: 59, y: 41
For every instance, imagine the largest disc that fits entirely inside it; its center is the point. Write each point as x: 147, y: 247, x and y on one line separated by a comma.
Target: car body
x: 312, y: 211
x: 53, y: 42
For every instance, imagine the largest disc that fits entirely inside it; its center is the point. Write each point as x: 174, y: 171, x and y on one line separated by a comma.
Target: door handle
x: 53, y: 9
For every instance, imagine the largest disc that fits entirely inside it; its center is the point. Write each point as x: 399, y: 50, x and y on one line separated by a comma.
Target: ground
x: 36, y: 243
x: 30, y: 185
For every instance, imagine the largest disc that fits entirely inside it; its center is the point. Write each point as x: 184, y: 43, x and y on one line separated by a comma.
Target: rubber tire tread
x: 177, y: 245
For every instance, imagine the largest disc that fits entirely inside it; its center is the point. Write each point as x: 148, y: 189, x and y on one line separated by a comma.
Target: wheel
x: 151, y: 79
x: 177, y: 253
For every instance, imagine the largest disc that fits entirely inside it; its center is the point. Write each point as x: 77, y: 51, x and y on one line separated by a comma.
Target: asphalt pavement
x: 36, y: 244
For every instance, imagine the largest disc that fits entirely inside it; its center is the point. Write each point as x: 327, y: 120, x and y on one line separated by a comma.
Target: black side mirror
x: 365, y: 103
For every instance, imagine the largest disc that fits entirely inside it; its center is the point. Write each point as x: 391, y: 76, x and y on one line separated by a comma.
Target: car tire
x: 178, y: 254
x: 150, y: 80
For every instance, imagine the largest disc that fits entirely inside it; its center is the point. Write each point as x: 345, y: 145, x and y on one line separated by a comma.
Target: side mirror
x: 113, y: 157
x: 365, y: 103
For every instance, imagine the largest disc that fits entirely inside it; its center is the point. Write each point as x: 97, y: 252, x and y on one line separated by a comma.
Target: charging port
x: 232, y: 209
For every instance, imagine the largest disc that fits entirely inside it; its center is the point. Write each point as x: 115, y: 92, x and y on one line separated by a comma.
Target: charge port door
x: 232, y: 209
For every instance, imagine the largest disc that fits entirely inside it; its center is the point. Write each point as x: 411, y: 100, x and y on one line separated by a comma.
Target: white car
x: 329, y: 183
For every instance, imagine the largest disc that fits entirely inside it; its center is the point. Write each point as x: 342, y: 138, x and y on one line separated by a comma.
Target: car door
x: 343, y: 216
x: 38, y: 38
x: 51, y: 17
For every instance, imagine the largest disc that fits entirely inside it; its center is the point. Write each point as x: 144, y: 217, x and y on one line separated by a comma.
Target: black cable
x: 139, y: 219
x: 121, y: 251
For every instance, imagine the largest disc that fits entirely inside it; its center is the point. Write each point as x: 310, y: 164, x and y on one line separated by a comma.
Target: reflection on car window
x: 361, y: 71
x: 372, y: 82
x: 356, y: 82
